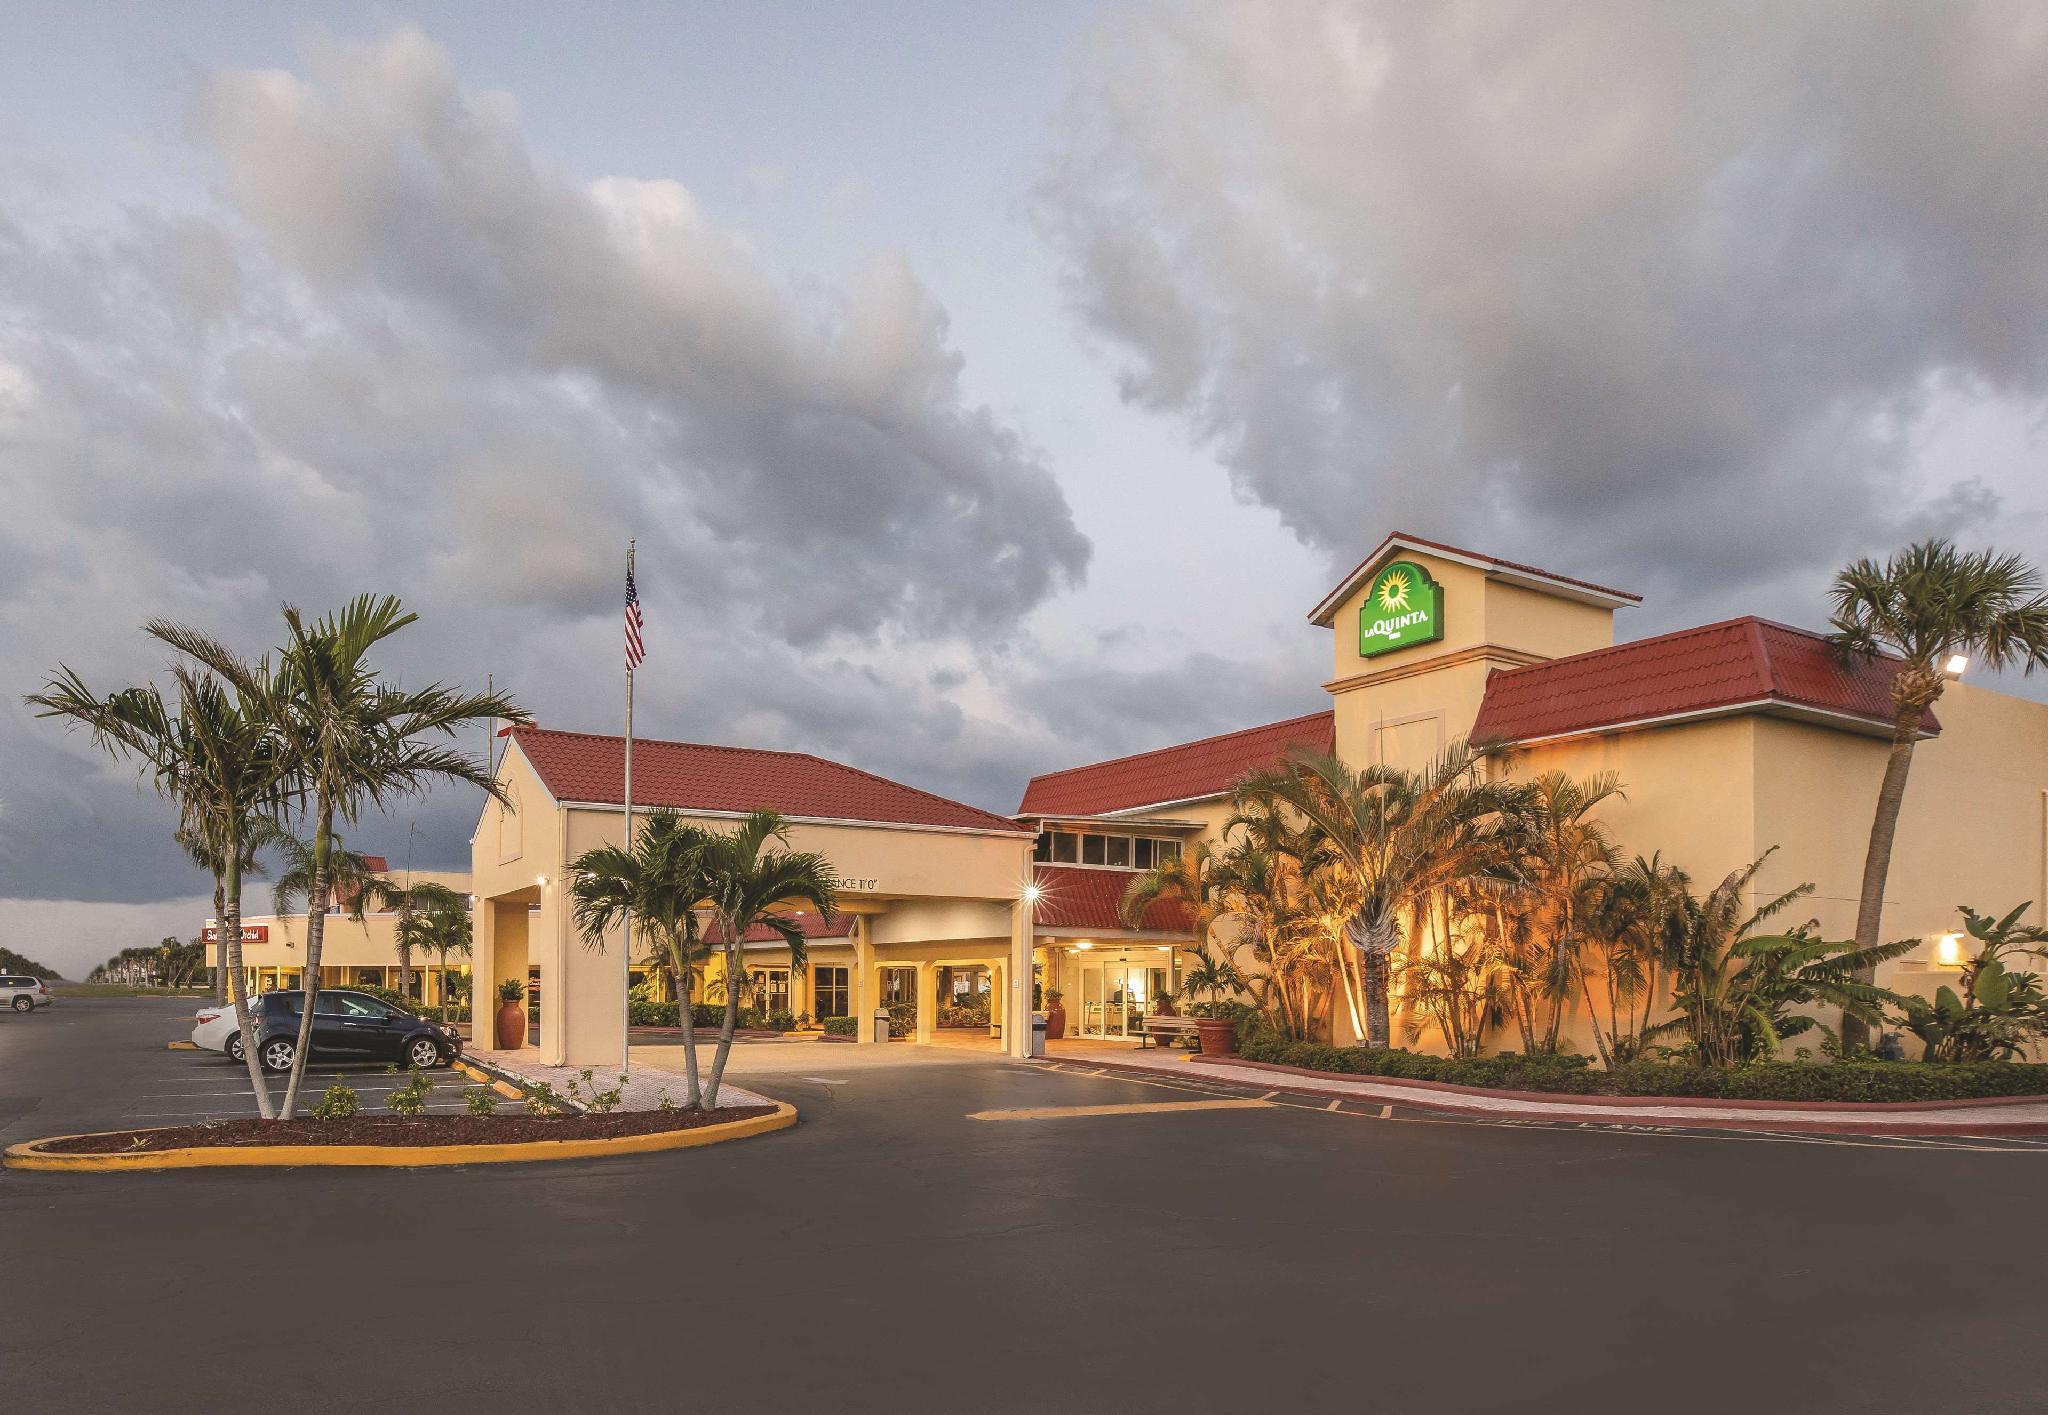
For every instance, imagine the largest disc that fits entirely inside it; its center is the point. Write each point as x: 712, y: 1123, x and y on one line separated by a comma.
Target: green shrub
x: 482, y: 1100
x: 842, y: 1026
x: 642, y: 1013
x: 337, y: 1102
x: 1878, y: 1081
x: 543, y: 1099
x: 902, y: 1019
x: 411, y: 1098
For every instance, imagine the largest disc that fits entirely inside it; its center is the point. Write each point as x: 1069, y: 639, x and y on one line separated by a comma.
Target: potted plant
x: 1216, y: 1025
x: 511, y: 1014
x: 1055, y: 1015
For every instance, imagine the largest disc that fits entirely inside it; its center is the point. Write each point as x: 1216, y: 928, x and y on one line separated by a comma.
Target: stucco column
x: 998, y: 1002
x: 1017, y: 1016
x: 927, y: 1002
x: 865, y: 995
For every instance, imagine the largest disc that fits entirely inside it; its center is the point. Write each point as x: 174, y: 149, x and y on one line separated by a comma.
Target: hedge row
x: 1766, y: 1081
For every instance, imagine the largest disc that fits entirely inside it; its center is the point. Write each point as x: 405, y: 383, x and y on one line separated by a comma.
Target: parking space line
x: 1071, y: 1112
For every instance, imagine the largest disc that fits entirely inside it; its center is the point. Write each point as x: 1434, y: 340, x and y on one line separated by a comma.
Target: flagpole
x: 626, y: 991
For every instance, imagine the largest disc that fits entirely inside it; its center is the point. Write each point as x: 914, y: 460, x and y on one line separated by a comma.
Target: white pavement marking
x: 825, y: 1080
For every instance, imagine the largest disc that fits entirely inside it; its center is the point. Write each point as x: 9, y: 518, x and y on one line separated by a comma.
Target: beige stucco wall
x: 345, y: 941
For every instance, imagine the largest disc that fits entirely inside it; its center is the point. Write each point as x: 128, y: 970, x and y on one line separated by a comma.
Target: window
x: 1168, y: 852
x: 832, y: 990
x: 1093, y: 849
x: 1042, y: 851
x: 1064, y: 846
x: 1119, y: 847
x: 1141, y: 854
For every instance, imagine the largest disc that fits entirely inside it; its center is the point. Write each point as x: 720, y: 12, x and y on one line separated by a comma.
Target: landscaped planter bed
x: 400, y: 1131
x: 1866, y: 1082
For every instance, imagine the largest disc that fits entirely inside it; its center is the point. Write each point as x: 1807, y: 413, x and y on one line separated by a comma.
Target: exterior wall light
x: 541, y: 880
x: 1032, y: 894
x: 1957, y: 663
x: 1083, y: 946
x: 1948, y: 951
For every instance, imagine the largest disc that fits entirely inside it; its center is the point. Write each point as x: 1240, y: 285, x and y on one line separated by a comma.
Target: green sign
x: 1403, y: 608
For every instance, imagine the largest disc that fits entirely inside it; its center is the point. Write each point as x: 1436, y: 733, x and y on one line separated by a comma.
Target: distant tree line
x: 168, y: 963
x: 12, y: 962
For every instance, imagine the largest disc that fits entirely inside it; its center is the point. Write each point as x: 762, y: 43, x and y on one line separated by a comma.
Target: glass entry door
x: 1115, y: 998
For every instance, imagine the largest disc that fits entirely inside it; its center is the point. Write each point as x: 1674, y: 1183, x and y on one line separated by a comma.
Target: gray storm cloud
x: 399, y: 351
x: 1663, y: 292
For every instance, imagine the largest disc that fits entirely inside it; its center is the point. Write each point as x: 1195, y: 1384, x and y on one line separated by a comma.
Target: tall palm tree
x: 1570, y: 858
x: 219, y: 758
x: 661, y: 882
x: 1401, y: 835
x: 354, y: 741
x: 749, y: 882
x: 1928, y: 604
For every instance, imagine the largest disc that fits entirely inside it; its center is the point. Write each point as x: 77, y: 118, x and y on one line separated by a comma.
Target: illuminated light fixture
x: 1948, y: 951
x: 1957, y: 662
x: 1083, y: 946
x: 1033, y: 893
x: 541, y: 880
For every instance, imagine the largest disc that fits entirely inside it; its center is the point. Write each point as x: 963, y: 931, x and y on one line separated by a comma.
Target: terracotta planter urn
x: 511, y: 1029
x: 1218, y: 1034
x: 1055, y: 1018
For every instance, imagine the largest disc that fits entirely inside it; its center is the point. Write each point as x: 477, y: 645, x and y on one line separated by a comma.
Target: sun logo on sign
x: 1393, y: 594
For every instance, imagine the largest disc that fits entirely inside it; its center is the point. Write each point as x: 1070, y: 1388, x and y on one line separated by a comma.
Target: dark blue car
x: 347, y: 1026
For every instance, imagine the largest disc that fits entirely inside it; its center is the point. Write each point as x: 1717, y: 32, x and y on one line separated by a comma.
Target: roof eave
x: 1859, y: 723
x: 1325, y: 613
x: 1009, y: 834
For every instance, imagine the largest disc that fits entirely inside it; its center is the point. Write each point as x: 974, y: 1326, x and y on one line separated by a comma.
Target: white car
x: 214, y: 1029
x: 23, y: 993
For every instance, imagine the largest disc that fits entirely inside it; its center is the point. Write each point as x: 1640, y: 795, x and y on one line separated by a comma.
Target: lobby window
x: 1168, y: 852
x: 1119, y: 849
x: 1093, y: 850
x: 831, y: 991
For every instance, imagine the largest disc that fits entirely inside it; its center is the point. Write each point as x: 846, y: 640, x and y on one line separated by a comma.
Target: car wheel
x: 24, y: 1004
x: 422, y: 1053
x: 277, y: 1054
x: 234, y: 1047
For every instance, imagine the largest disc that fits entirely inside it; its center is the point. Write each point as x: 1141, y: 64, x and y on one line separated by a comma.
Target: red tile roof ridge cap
x: 1181, y: 746
x: 1755, y: 622
x: 1351, y: 577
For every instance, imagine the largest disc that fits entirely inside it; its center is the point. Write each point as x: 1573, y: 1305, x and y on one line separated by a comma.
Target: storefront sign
x: 1404, y: 607
x: 251, y: 933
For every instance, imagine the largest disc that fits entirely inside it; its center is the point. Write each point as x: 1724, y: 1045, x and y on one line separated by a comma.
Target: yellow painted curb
x: 504, y: 1088
x: 181, y: 1046
x: 30, y: 1155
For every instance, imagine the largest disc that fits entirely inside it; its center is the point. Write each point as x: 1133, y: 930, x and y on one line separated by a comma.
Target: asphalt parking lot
x: 957, y: 1232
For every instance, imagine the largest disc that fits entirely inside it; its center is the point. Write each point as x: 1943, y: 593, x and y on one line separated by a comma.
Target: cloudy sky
x: 990, y: 387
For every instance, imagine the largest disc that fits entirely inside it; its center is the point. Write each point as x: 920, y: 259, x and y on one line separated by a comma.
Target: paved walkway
x: 1963, y: 1118
x: 647, y: 1083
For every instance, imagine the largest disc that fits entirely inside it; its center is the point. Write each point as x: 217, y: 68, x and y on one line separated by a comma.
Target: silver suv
x: 23, y: 993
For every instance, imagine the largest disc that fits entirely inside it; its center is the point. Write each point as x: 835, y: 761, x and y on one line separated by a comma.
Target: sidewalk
x: 2002, y: 1116
x: 646, y: 1085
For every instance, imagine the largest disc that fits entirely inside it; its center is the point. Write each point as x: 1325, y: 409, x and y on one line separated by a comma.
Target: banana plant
x: 1999, y: 1010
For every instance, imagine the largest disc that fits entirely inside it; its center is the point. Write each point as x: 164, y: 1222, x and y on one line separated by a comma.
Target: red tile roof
x: 1327, y: 608
x: 1078, y: 898
x: 1187, y: 772
x: 580, y: 766
x: 1740, y: 662
x: 813, y: 924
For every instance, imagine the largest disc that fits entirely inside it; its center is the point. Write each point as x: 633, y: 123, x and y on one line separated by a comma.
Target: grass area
x: 124, y: 990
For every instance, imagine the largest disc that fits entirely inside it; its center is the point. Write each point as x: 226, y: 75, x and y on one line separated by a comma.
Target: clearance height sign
x: 1403, y: 608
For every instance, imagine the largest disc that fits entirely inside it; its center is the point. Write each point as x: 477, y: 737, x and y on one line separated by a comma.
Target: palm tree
x: 1928, y: 605
x: 748, y: 883
x: 441, y: 931
x: 661, y: 883
x: 220, y: 760
x: 1570, y: 858
x: 201, y: 853
x: 1736, y: 990
x: 353, y: 741
x: 1400, y: 835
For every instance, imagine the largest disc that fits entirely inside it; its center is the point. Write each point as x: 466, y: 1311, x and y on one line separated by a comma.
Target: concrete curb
x: 30, y: 1155
x: 1902, y: 1123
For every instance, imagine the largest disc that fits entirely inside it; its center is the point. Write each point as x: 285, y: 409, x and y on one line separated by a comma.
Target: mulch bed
x: 400, y: 1130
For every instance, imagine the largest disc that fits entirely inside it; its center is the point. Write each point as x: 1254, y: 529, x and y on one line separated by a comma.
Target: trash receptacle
x: 1038, y: 1034
x: 881, y: 1033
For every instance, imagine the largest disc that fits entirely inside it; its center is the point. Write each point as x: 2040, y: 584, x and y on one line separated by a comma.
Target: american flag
x: 635, y: 650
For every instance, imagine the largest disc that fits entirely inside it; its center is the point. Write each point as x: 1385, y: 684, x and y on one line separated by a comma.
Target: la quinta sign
x: 1403, y: 607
